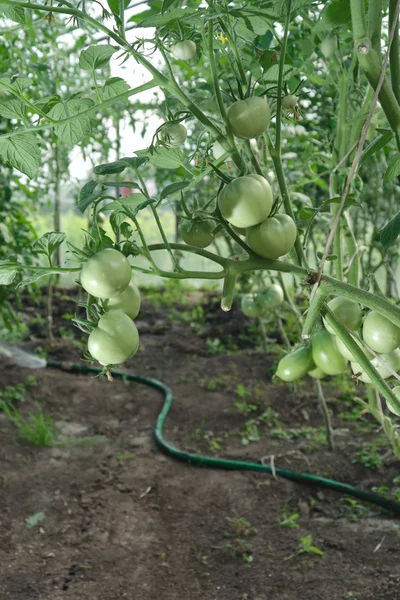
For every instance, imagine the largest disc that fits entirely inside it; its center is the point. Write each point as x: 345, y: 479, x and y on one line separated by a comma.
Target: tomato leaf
x: 8, y: 271
x: 166, y: 4
x: 350, y: 201
x: 172, y: 188
x: 88, y: 195
x: 131, y: 204
x: 113, y: 87
x: 114, y: 5
x: 22, y: 152
x: 391, y: 231
x: 376, y: 145
x: 12, y: 108
x: 393, y: 169
x: 13, y: 13
x: 77, y: 129
x: 120, y: 165
x: 335, y: 14
x: 177, y: 14
x: 307, y: 212
x: 166, y: 158
x: 122, y: 184
x: 96, y: 57
x: 48, y: 243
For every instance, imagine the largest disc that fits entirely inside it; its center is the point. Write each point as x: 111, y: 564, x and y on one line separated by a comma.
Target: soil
x: 122, y: 520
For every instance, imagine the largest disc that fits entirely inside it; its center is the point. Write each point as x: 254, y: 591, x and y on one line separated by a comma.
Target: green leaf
x: 113, y: 87
x: 166, y: 158
x: 177, y: 14
x: 120, y: 165
x: 122, y: 184
x: 48, y: 243
x: 335, y: 14
x: 173, y: 188
x: 166, y: 4
x: 22, y: 152
x: 131, y: 204
x: 34, y: 520
x: 77, y: 129
x: 390, y: 232
x: 12, y: 108
x: 307, y: 213
x: 272, y: 74
x: 264, y: 41
x: 88, y: 195
x: 154, y: 9
x: 8, y: 271
x: 14, y: 13
x: 18, y: 84
x: 34, y: 276
x: 377, y: 144
x: 96, y: 57
x: 114, y: 5
x: 393, y: 169
x: 350, y: 201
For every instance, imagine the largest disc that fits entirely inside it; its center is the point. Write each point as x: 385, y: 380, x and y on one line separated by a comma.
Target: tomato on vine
x: 380, y: 334
x: 115, y: 338
x: 289, y: 102
x: 197, y: 232
x: 325, y: 353
x: 347, y: 312
x: 317, y: 373
x: 274, y: 237
x: 106, y: 274
x: 249, y: 118
x: 184, y: 50
x: 246, y: 200
x: 250, y: 306
x: 128, y: 301
x: 173, y: 134
x: 271, y: 297
x: 296, y: 364
x: 392, y: 360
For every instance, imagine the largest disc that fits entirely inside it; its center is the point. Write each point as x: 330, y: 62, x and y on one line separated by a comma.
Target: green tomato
x: 325, y: 353
x: 289, y: 102
x: 128, y: 301
x: 317, y: 373
x: 271, y: 297
x: 328, y: 47
x: 380, y: 333
x: 249, y: 118
x: 344, y: 351
x: 296, y: 364
x: 347, y: 312
x: 274, y: 237
x: 394, y: 408
x: 197, y: 232
x: 246, y: 201
x: 115, y: 338
x: 173, y: 134
x: 106, y: 274
x: 392, y: 359
x: 250, y: 306
x: 184, y: 50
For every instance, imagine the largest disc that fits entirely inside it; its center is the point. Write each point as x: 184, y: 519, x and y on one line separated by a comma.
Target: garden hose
x: 223, y: 463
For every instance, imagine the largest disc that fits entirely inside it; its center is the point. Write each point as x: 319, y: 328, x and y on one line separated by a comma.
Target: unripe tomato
x: 173, y: 134
x: 380, y: 333
x: 197, y: 233
x: 250, y: 306
x: 328, y: 47
x: 219, y: 151
x: 184, y: 50
x: 271, y: 297
x: 347, y: 312
x: 274, y: 237
x: 128, y: 301
x: 106, y: 274
x: 115, y: 338
x: 246, y: 201
x: 325, y: 353
x: 394, y: 408
x: 317, y: 373
x: 296, y: 364
x: 249, y: 118
x: 289, y: 102
x: 344, y: 351
x: 392, y: 359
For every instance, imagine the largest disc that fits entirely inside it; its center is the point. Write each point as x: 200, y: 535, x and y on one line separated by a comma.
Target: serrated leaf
x: 131, y: 204
x: 272, y: 74
x: 244, y: 32
x: 393, y: 169
x: 22, y: 152
x: 34, y: 520
x: 390, y: 232
x: 173, y: 188
x: 96, y: 57
x: 377, y: 144
x: 113, y: 87
x: 48, y: 243
x: 12, y: 108
x: 14, y: 13
x: 8, y: 272
x: 77, y: 129
x: 166, y: 158
x: 88, y: 195
x: 177, y: 14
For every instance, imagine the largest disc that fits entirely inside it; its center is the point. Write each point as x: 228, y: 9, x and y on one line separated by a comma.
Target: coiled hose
x: 223, y: 463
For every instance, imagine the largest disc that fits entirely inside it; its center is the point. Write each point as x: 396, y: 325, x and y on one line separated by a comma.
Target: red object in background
x: 126, y: 191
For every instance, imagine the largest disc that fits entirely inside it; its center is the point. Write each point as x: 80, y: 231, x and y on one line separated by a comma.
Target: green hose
x: 222, y: 463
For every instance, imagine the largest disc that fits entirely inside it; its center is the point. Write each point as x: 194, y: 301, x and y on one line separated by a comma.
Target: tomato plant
x: 271, y: 297
x: 128, y: 301
x: 325, y: 353
x: 184, y: 50
x: 249, y: 118
x: 198, y: 232
x: 173, y: 134
x: 380, y: 334
x: 115, y: 338
x: 274, y: 237
x: 296, y: 364
x: 250, y: 306
x: 348, y: 312
x: 106, y: 274
x: 246, y: 201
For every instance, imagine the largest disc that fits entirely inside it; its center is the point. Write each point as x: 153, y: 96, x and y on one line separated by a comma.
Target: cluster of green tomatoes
x: 325, y: 354
x: 106, y: 276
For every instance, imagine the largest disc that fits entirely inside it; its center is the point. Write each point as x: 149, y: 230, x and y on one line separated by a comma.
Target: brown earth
x: 121, y: 520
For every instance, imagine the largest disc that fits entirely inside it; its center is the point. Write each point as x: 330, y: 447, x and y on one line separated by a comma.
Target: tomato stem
x: 228, y: 290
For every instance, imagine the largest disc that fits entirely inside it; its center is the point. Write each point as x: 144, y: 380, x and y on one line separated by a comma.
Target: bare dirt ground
x: 121, y: 520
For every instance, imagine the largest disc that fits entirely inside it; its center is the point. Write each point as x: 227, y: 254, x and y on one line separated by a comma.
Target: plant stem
x: 278, y: 125
x: 325, y: 413
x: 228, y: 290
x: 314, y: 312
x: 375, y: 24
x: 394, y: 49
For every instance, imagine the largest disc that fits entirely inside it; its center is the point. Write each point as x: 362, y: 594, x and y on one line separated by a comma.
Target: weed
x: 369, y: 457
x: 249, y: 401
x: 16, y: 393
x: 202, y: 558
x: 37, y: 429
x: 355, y: 511
x: 288, y: 520
x: 251, y: 432
x: 306, y: 546
x: 214, y: 383
x: 239, y: 527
